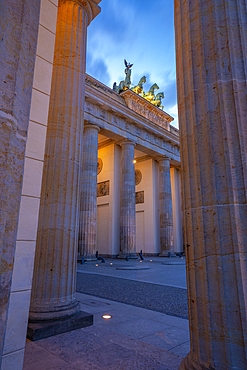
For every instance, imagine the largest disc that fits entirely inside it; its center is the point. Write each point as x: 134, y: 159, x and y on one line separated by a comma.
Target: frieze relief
x: 89, y: 107
x: 148, y: 136
x: 138, y: 131
x: 102, y: 113
x: 127, y: 126
x: 103, y: 188
x: 139, y: 196
x: 115, y: 120
x: 150, y: 115
x: 156, y: 140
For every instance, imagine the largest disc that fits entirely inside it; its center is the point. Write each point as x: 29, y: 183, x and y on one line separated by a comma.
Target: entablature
x: 111, y: 112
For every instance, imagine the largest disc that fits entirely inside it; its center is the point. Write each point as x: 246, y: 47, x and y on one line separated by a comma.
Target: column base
x: 90, y: 259
x: 125, y: 255
x: 189, y: 364
x: 44, y: 329
x: 167, y: 254
x: 53, y: 312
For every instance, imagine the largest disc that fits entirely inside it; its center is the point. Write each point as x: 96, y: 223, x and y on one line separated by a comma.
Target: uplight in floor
x: 107, y: 317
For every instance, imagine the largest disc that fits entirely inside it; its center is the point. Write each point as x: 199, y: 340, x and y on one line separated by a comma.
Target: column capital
x: 127, y: 142
x: 162, y: 158
x: 90, y: 6
x: 91, y: 125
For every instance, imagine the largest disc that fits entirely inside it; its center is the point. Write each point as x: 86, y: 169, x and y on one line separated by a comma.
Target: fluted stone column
x: 211, y: 45
x: 88, y: 196
x: 53, y: 291
x: 165, y: 200
x: 127, y: 211
x: 18, y: 23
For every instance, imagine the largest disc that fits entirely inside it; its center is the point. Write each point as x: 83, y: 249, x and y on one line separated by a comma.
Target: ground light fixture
x: 106, y: 317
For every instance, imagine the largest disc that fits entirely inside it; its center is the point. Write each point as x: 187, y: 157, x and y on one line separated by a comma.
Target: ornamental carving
x: 139, y: 197
x: 138, y: 131
x: 89, y: 107
x: 138, y: 177
x: 115, y: 120
x: 103, y: 188
x: 127, y: 126
x: 99, y: 165
x: 102, y: 113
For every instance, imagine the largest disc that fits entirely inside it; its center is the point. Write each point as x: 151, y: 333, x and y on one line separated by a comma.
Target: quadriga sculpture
x: 157, y: 100
x: 150, y: 95
x: 138, y: 89
x: 126, y: 83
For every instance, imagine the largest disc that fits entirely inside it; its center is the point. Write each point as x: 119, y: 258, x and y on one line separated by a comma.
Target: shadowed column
x: 88, y: 197
x: 53, y: 291
x: 165, y: 199
x: 127, y: 211
x: 211, y: 45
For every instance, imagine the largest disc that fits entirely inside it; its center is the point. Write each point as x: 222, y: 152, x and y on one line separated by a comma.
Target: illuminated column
x: 165, y: 200
x: 53, y: 292
x: 211, y: 44
x: 127, y: 211
x: 88, y: 196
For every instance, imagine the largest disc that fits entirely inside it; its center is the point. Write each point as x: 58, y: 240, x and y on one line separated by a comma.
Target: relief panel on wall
x: 103, y: 188
x: 139, y: 197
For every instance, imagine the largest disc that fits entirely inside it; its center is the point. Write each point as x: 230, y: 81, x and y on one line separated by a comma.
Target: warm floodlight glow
x: 106, y: 317
x: 151, y: 260
x: 96, y: 265
x: 111, y: 263
x: 140, y: 261
x: 134, y: 161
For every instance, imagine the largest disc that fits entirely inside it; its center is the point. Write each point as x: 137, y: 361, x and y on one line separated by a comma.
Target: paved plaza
x: 135, y: 337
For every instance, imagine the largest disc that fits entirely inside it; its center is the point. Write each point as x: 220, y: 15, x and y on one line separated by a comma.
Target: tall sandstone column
x: 211, y: 47
x: 127, y: 210
x: 165, y: 200
x: 53, y: 291
x: 19, y: 22
x: 88, y: 194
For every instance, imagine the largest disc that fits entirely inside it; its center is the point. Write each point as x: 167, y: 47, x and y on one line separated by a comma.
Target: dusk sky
x: 142, y: 32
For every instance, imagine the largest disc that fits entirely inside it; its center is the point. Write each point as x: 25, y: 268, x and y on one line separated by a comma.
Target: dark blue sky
x: 142, y: 32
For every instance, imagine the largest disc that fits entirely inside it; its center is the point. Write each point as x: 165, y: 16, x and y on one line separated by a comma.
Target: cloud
x: 140, y: 32
x: 98, y: 69
x: 170, y: 92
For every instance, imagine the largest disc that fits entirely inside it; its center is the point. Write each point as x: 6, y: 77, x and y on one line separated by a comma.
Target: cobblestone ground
x: 139, y: 335
x: 155, y: 285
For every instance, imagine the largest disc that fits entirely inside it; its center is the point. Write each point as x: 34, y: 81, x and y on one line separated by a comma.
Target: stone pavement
x: 160, y: 270
x: 134, y: 337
